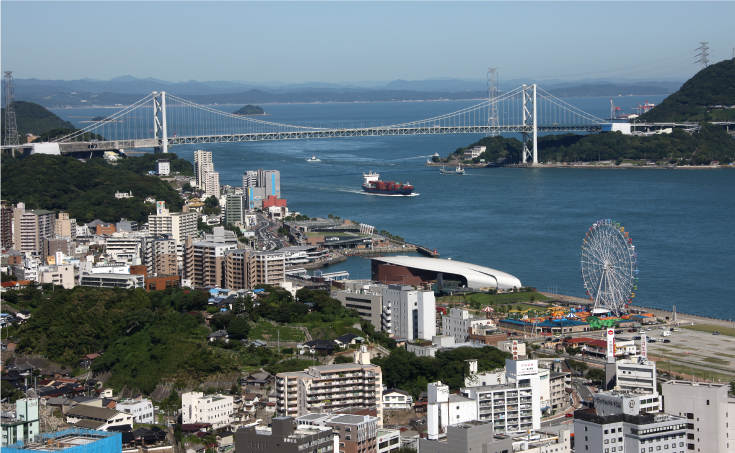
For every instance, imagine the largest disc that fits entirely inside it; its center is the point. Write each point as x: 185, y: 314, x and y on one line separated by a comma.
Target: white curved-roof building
x: 473, y: 275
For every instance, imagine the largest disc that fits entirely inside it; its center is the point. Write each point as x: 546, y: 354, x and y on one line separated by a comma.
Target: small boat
x: 313, y: 159
x: 457, y: 171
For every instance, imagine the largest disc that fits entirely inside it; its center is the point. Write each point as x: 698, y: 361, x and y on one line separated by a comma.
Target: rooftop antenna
x: 703, y: 61
x: 492, y: 94
x: 11, y: 127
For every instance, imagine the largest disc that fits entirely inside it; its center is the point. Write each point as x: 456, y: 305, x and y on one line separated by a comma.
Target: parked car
x: 635, y: 338
x: 569, y: 415
x: 632, y: 330
x: 666, y: 340
x: 715, y: 333
x: 619, y: 331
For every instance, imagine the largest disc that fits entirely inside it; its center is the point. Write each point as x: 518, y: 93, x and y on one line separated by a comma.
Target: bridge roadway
x: 71, y: 147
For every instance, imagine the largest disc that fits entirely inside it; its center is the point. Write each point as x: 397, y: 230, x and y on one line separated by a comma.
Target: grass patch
x: 332, y: 330
x: 264, y: 330
x: 716, y: 360
x: 488, y: 299
x: 712, y: 328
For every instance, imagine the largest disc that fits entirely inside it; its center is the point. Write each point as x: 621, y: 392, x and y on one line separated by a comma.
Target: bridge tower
x: 529, y: 120
x: 159, y: 121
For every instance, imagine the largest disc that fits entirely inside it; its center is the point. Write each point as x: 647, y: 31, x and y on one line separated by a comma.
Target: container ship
x: 373, y: 185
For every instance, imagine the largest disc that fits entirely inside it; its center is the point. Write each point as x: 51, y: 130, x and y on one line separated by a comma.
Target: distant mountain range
x: 128, y: 89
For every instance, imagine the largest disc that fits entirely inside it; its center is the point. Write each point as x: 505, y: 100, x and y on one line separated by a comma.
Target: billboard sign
x: 644, y: 346
x: 515, y: 349
x: 610, y: 342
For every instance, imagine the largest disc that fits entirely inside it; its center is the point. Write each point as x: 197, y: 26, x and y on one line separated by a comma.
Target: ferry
x: 313, y: 159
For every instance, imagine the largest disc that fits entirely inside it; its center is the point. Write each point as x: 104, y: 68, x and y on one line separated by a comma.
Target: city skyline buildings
x: 370, y: 49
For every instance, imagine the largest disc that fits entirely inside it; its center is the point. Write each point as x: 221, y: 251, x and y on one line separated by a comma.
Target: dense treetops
x: 405, y: 371
x: 250, y: 110
x: 714, y: 85
x: 34, y: 119
x: 144, y: 163
x: 85, y: 190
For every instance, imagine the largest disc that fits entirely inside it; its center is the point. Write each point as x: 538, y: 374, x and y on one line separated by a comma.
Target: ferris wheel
x: 609, y: 267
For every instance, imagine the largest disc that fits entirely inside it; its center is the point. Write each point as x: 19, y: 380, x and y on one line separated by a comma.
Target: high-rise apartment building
x: 204, y: 262
x: 211, y: 184
x: 409, y: 313
x: 31, y: 227
x: 160, y: 257
x: 235, y: 208
x: 178, y: 225
x: 708, y: 412
x: 202, y: 164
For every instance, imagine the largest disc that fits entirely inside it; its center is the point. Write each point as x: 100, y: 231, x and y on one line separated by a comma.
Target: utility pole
x: 703, y: 61
x: 11, y: 127
x: 492, y: 94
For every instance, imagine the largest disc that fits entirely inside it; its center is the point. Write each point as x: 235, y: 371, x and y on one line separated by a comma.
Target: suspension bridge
x: 526, y: 110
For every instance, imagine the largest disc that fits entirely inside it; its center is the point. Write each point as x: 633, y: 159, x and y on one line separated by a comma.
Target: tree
x: 596, y: 375
x: 239, y: 328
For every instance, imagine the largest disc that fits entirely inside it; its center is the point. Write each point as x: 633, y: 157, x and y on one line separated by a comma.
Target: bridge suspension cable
x: 160, y: 120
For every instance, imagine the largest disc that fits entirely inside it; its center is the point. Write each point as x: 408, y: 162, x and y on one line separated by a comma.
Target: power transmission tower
x: 11, y: 127
x: 492, y: 94
x: 703, y: 54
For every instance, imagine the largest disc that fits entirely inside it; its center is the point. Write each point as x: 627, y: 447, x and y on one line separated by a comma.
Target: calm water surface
x: 527, y: 222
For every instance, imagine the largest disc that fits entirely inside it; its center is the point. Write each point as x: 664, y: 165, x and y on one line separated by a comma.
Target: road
x: 267, y: 235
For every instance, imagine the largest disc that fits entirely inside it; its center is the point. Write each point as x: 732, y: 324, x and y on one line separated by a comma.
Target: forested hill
x: 34, y: 119
x: 712, y: 86
x: 86, y: 190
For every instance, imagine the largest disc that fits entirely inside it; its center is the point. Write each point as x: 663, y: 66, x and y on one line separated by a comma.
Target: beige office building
x: 65, y: 227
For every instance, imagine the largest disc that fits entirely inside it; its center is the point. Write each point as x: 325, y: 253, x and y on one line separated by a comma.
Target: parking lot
x: 706, y: 355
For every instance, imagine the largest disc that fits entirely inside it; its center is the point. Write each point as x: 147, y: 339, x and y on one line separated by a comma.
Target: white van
x: 666, y: 333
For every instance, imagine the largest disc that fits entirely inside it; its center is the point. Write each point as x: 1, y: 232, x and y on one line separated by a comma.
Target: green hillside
x: 34, y: 119
x: 712, y: 86
x: 711, y: 143
x: 85, y: 190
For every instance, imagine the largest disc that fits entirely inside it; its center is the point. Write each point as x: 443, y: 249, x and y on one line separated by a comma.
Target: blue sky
x: 359, y: 41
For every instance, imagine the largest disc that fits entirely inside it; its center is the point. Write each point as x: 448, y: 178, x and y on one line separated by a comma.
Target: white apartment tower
x: 202, y: 163
x: 211, y: 184
x: 409, y: 313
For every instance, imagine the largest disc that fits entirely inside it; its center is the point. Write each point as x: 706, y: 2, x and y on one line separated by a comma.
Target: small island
x: 250, y: 110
